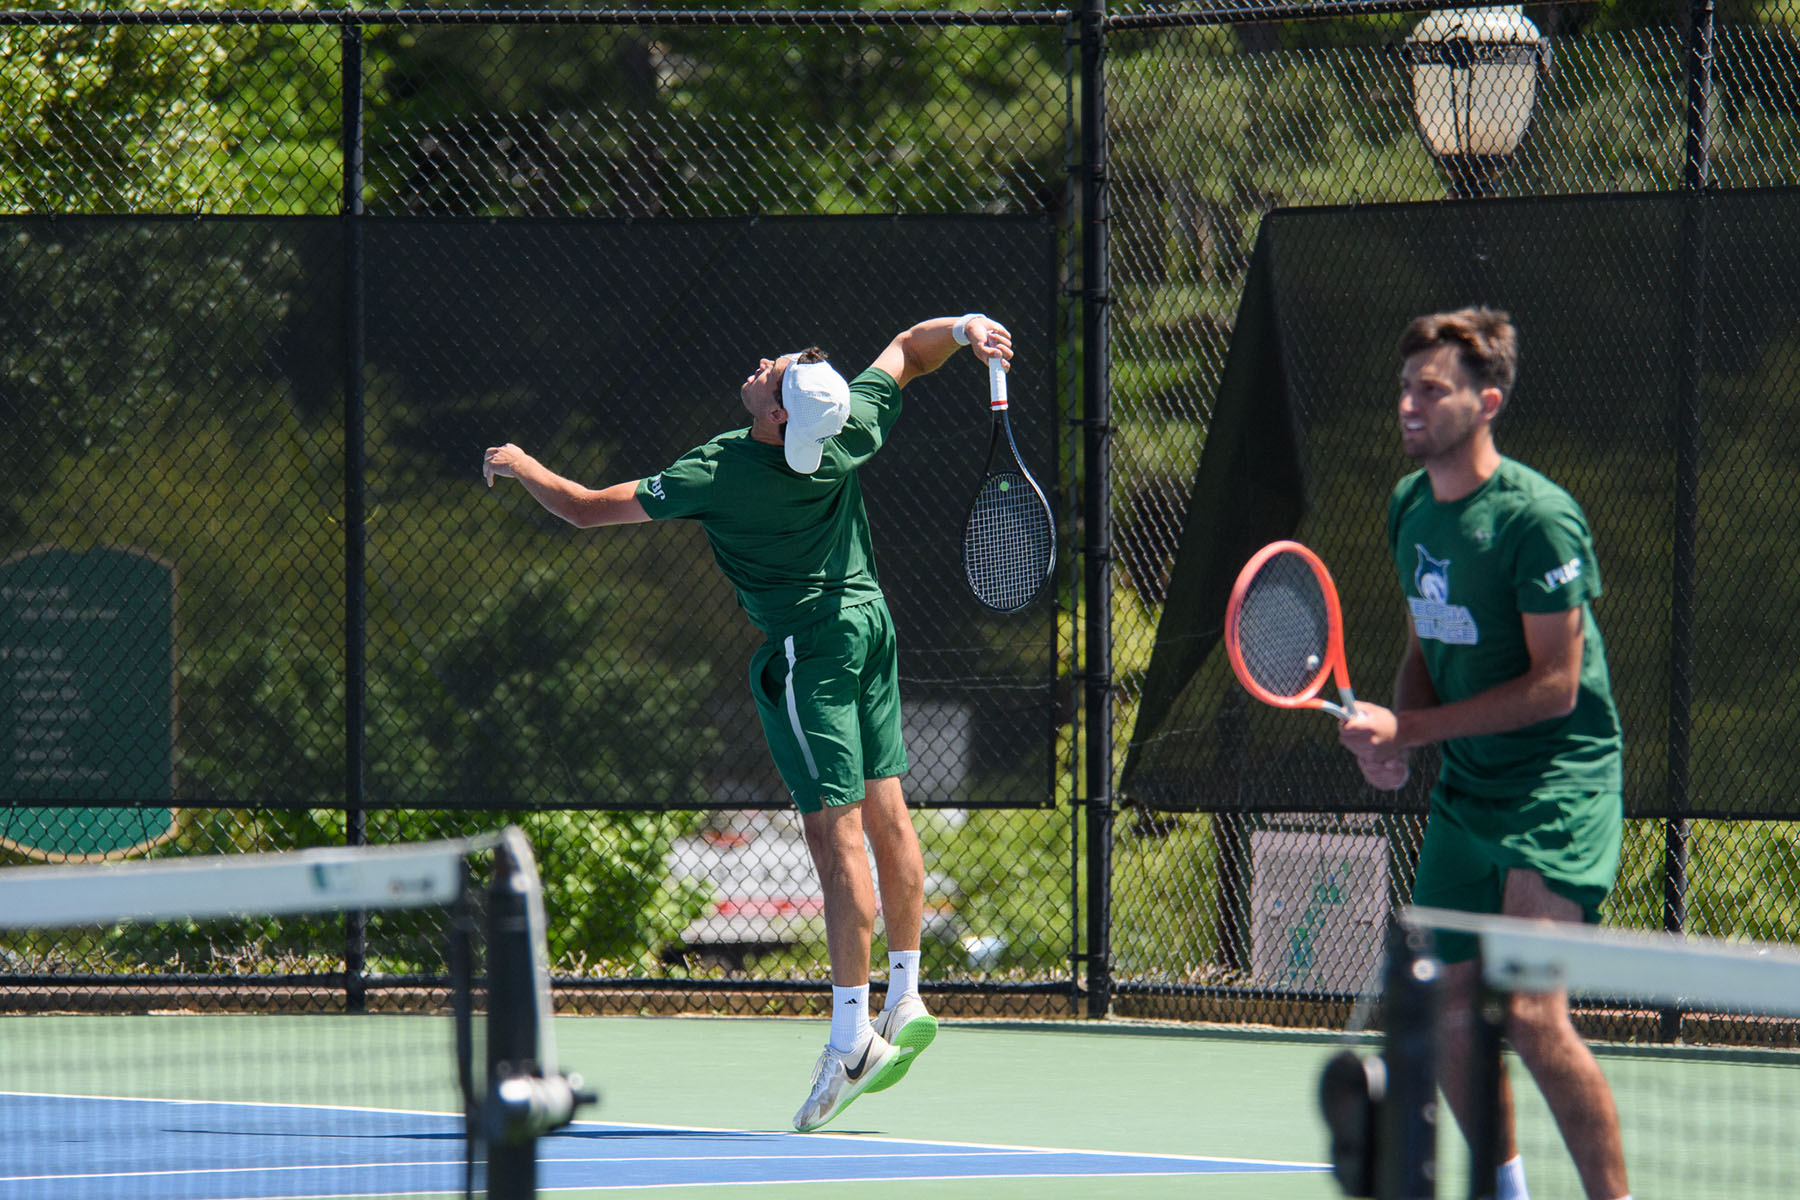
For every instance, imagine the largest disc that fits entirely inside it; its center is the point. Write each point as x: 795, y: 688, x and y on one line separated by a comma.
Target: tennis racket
x: 1009, y: 540
x: 1285, y: 633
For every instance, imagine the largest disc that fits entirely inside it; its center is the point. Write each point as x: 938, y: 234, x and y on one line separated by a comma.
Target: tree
x: 523, y: 707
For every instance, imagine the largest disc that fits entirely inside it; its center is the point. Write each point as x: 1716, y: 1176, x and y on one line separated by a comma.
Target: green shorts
x: 829, y: 699
x: 1571, y: 839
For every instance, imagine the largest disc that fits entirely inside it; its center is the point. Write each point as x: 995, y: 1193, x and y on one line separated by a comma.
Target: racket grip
x: 996, y: 384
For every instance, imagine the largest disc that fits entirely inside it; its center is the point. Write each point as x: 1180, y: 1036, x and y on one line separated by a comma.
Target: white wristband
x: 960, y: 330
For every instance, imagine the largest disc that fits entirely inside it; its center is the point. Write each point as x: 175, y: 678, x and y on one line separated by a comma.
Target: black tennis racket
x: 1009, y: 540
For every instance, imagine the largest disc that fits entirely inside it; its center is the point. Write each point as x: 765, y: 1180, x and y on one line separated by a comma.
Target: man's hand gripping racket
x: 1285, y: 633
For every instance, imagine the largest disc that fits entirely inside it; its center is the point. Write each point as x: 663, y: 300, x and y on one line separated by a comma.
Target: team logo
x: 654, y: 486
x: 1432, y: 577
x: 1435, y: 619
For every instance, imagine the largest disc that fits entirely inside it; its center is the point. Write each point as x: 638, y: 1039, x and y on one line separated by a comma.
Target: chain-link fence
x: 1258, y: 892
x: 273, y: 280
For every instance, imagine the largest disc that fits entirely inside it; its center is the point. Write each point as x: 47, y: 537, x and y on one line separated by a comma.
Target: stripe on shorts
x: 793, y: 707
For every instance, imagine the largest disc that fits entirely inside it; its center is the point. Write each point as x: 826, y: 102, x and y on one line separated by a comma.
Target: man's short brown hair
x: 1487, y: 344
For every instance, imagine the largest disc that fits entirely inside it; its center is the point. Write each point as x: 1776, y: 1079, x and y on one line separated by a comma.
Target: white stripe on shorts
x: 812, y: 768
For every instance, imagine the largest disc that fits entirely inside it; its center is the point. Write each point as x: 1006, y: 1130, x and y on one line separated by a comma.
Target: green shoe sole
x: 912, y: 1039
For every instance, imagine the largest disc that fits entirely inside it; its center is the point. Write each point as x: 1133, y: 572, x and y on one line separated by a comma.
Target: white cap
x: 818, y: 403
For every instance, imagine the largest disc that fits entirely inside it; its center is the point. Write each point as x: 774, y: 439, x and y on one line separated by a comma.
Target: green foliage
x: 134, y: 101
x: 189, y: 308
x: 1012, y: 872
x: 1169, y: 912
x: 687, y: 120
x: 497, y: 714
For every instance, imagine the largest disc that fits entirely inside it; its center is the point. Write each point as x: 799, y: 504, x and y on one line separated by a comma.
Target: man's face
x: 761, y: 392
x: 1440, y: 406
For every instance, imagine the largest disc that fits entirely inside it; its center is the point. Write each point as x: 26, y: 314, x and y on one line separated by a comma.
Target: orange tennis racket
x: 1285, y: 633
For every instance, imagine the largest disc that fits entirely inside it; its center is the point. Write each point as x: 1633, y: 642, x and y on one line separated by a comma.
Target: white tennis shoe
x: 839, y: 1078
x: 910, y: 1028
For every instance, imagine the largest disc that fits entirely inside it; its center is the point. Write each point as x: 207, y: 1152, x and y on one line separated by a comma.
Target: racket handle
x: 996, y: 384
x: 1344, y: 711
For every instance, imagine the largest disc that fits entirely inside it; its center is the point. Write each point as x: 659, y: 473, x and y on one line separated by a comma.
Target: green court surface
x: 703, y: 1105
x: 1697, y: 1123
x: 1147, y: 1089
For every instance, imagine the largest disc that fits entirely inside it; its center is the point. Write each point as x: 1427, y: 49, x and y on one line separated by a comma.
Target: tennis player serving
x: 782, y: 509
x: 1504, y: 668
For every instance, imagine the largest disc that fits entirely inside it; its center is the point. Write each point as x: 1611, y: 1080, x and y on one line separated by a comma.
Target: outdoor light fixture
x: 1474, y: 79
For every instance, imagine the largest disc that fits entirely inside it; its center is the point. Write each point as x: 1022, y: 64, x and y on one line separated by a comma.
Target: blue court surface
x: 85, y: 1148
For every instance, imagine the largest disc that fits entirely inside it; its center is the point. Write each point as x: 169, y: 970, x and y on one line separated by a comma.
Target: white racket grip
x: 996, y: 384
x: 1345, y: 711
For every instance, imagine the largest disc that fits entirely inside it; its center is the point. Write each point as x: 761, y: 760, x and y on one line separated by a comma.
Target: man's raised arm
x: 929, y: 344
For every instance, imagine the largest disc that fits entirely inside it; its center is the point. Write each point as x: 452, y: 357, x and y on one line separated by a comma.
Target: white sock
x: 1509, y: 1180
x: 849, y: 1017
x: 903, y: 974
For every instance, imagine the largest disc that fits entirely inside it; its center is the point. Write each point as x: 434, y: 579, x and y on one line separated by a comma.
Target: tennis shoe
x: 839, y: 1078
x: 910, y: 1028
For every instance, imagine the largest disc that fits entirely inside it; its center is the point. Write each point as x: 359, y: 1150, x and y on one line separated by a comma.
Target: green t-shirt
x: 796, y: 547
x: 1469, y: 568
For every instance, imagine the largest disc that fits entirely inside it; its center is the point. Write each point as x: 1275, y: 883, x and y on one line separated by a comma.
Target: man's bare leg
x: 1456, y: 1048
x: 1546, y: 1040
x: 834, y: 836
x: 899, y: 863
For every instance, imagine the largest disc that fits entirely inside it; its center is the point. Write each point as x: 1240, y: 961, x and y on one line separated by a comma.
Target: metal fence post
x: 1695, y: 178
x: 355, y: 485
x: 1097, y: 506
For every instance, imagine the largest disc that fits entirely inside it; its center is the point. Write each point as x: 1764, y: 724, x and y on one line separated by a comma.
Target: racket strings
x: 1283, y: 630
x: 1009, y: 542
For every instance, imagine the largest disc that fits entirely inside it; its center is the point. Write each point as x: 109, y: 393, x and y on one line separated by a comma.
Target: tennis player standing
x: 1503, y: 667
x: 783, y: 511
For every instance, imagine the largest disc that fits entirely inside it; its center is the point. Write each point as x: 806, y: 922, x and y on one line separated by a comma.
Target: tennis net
x: 194, y: 1027
x: 1699, y: 1040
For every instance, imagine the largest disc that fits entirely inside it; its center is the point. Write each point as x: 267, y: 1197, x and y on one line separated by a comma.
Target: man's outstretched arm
x: 583, y: 507
x: 929, y: 344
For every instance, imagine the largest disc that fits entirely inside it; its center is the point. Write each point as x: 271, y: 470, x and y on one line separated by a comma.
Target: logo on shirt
x: 1434, y: 617
x: 1567, y: 573
x: 1432, y: 576
x: 653, y: 485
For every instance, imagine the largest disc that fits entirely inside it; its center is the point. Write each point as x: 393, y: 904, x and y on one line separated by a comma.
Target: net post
x: 1407, y: 1119
x: 526, y: 1096
x: 1487, y: 1081
x: 512, y: 1026
x: 459, y: 959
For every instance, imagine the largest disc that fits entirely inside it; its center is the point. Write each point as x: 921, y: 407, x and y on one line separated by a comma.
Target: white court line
x: 866, y: 1140
x: 912, y: 1154
x: 843, y: 1179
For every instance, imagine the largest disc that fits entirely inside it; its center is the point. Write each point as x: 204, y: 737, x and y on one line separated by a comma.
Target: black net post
x: 512, y: 1030
x: 1407, y: 1140
x: 527, y: 1096
x: 459, y: 961
x: 1487, y: 1087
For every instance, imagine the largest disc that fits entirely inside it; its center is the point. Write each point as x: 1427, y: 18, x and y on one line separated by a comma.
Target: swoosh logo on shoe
x: 862, y: 1063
